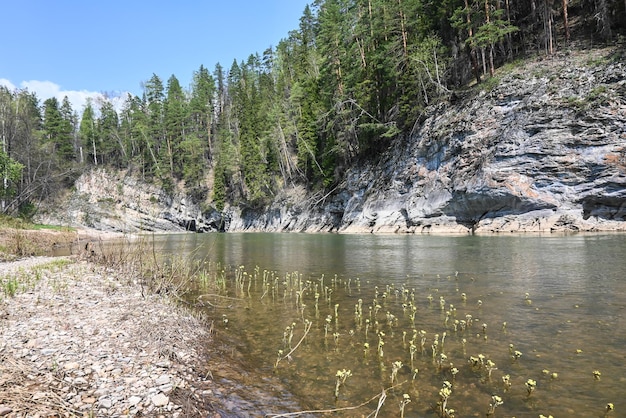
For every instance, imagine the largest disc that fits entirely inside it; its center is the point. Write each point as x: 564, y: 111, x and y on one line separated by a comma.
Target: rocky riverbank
x: 78, y: 339
x: 538, y: 148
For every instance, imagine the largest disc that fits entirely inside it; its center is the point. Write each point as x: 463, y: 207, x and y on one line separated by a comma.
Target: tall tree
x: 202, y: 107
x: 175, y: 123
x: 88, y: 134
x: 112, y: 149
x: 58, y: 131
x: 69, y: 123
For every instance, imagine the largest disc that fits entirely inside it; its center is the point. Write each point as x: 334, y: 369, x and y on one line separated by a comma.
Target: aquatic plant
x: 496, y: 401
x: 597, y: 374
x: 490, y: 366
x: 395, y: 367
x: 530, y: 386
x: 506, y: 381
x: 442, y: 406
x: 381, y: 343
x: 341, y: 376
x: 281, y: 356
x: 406, y: 399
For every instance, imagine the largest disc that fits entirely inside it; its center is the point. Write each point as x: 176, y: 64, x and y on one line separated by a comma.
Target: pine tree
x: 58, y: 131
x: 202, y: 106
x: 155, y: 134
x: 88, y: 135
x: 112, y: 149
x: 69, y: 123
x: 175, y: 123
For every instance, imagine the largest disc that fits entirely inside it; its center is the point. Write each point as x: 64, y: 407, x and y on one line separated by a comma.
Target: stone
x: 164, y: 379
x: 105, y: 403
x: 5, y: 410
x: 39, y: 395
x: 71, y: 365
x: 97, y: 371
x: 160, y: 400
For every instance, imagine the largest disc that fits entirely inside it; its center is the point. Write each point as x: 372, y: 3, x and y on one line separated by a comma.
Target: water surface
x: 563, y: 299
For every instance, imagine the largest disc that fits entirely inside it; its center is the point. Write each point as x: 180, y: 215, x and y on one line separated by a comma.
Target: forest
x: 353, y: 77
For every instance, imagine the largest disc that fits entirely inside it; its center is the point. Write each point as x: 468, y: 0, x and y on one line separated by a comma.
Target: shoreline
x: 80, y: 338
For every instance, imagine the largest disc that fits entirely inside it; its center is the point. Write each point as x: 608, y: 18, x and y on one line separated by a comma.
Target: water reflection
x: 563, y: 299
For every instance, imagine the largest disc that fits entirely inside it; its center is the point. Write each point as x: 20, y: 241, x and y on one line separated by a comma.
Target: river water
x: 408, y: 315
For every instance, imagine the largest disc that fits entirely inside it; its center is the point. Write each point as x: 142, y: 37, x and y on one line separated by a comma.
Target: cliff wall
x: 543, y: 149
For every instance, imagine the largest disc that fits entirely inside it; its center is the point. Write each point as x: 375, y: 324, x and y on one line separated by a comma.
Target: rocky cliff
x: 543, y: 150
x: 119, y: 201
x: 540, y: 148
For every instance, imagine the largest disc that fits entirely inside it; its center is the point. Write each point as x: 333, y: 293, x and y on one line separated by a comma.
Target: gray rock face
x: 543, y: 151
x: 120, y: 202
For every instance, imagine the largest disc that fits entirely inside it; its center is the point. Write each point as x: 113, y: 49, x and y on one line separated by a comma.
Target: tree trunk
x: 403, y: 30
x: 488, y: 20
x: 470, y: 34
x: 509, y: 39
x: 547, y: 28
x: 566, y: 21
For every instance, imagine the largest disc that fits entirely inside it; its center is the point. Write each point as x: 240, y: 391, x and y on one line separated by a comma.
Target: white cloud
x: 6, y: 83
x: 78, y: 98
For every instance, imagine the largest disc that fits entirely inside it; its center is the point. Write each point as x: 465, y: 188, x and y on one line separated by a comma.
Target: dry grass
x: 17, y: 243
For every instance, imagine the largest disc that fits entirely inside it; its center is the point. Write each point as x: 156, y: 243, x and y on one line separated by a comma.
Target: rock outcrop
x: 543, y: 150
x: 119, y: 201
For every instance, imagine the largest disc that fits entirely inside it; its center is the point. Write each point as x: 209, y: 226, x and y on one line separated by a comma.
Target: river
x: 538, y: 321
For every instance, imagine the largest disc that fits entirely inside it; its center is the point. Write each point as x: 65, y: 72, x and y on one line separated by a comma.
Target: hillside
x: 541, y: 147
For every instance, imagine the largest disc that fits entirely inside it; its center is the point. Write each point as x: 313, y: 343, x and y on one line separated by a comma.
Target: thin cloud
x: 6, y: 83
x: 78, y: 98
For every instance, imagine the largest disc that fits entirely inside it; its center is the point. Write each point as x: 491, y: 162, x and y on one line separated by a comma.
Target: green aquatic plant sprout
x: 399, y: 326
x: 506, y: 382
x: 442, y: 406
x: 597, y: 374
x: 530, y: 386
x: 496, y: 401
x: 490, y: 366
x: 341, y: 376
x: 381, y: 343
x: 395, y: 367
x: 406, y: 399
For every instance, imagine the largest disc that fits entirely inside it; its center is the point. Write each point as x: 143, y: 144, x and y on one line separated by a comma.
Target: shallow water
x: 563, y: 299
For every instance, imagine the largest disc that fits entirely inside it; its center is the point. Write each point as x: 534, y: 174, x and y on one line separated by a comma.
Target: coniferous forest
x: 354, y: 76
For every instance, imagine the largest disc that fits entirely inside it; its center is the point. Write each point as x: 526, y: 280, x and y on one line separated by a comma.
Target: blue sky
x: 82, y: 48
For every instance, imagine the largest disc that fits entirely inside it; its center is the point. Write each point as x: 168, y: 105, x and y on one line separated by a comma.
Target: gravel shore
x: 78, y: 339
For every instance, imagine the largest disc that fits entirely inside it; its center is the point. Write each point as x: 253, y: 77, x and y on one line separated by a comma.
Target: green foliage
x: 352, y: 78
x: 58, y: 129
x: 11, y: 172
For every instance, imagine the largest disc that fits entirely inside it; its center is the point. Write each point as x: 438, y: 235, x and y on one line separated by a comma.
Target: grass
x: 21, y: 238
x: 25, y: 279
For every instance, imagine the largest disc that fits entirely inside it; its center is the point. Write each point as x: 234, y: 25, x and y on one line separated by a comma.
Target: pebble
x: 160, y: 400
x: 107, y: 359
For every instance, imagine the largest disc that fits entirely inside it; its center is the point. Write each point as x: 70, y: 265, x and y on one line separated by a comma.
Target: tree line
x: 354, y: 75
